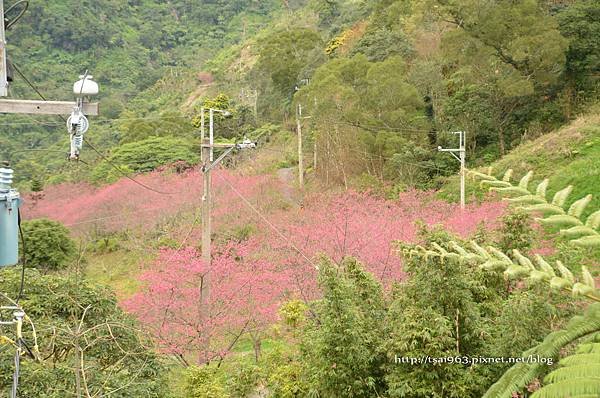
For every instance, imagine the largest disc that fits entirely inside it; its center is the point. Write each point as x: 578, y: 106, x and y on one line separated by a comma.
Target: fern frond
x: 582, y: 371
x: 547, y: 268
x: 494, y: 265
x: 541, y: 188
x: 578, y: 232
x: 521, y: 374
x: 593, y: 221
x: 499, y: 254
x: 577, y: 208
x: 495, y: 183
x: 581, y: 289
x: 581, y: 359
x: 570, y: 389
x: 560, y: 221
x: 539, y: 276
x: 559, y: 283
x: 587, y: 241
x: 517, y: 271
x: 545, y: 208
x: 587, y: 277
x: 458, y: 248
x: 524, y: 261
x: 524, y: 183
x: 527, y: 200
x: 511, y: 190
x: 589, y: 348
x: 508, y: 175
x: 481, y: 251
x: 565, y: 272
x: 561, y: 196
x: 481, y: 176
x: 439, y: 248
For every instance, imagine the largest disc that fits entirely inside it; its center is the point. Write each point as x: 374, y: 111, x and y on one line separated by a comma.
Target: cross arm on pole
x: 46, y: 107
x: 209, y: 166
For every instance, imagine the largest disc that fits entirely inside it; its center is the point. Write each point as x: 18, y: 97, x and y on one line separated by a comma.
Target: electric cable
x: 23, y: 258
x: 124, y: 174
x: 266, y: 221
x: 33, y: 87
x: 16, y: 19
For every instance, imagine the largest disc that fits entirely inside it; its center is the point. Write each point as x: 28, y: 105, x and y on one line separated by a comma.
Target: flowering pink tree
x: 249, y: 278
x: 245, y: 292
x: 365, y: 227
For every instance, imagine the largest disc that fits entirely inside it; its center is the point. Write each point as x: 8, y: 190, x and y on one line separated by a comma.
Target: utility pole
x: 3, y: 68
x: 299, y: 118
x: 461, y: 155
x: 300, y: 155
x: 208, y: 163
x: 206, y: 217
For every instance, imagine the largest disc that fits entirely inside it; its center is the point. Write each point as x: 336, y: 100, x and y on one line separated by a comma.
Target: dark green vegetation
x: 87, y: 344
x: 352, y: 341
x: 48, y: 246
x: 384, y: 82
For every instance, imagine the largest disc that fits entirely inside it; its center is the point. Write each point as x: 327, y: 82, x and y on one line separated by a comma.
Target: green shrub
x: 244, y: 379
x: 146, y: 155
x: 204, y: 382
x: 48, y: 245
x: 516, y: 231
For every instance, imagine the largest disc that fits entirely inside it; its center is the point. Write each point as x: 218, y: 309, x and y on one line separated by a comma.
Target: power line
x: 266, y: 221
x: 124, y: 174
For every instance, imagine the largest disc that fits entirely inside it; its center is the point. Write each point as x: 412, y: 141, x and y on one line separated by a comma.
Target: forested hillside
x: 391, y: 78
x: 367, y: 279
x: 128, y: 46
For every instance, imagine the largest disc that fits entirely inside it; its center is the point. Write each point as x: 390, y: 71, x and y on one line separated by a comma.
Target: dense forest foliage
x: 389, y: 78
x: 364, y: 282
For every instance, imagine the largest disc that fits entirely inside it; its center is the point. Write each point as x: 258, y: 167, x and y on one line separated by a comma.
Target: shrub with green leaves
x: 146, y: 155
x: 342, y: 348
x: 48, y: 245
x: 86, y: 345
x: 205, y: 382
x: 516, y: 231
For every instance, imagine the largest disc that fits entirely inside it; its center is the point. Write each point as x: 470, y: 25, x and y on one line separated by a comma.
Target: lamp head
x: 85, y: 86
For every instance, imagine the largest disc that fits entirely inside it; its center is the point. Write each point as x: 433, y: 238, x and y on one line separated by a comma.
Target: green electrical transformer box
x: 10, y: 201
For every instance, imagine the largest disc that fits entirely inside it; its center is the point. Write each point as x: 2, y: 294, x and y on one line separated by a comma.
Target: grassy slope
x: 568, y: 156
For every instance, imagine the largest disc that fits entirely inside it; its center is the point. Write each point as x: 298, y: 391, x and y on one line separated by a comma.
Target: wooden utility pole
x: 300, y: 154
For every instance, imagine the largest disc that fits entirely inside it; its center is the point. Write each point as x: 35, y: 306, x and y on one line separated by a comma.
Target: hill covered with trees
x: 367, y: 281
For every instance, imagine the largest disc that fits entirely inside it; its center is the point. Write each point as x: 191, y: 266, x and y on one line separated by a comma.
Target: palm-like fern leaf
x: 583, y: 233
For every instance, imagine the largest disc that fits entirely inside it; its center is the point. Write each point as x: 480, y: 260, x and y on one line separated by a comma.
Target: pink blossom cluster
x: 243, y: 296
x: 249, y: 278
x: 127, y: 205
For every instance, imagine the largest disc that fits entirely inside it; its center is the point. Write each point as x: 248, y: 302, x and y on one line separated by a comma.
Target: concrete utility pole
x: 299, y: 118
x: 461, y: 155
x: 209, y: 163
x: 300, y: 154
x: 206, y: 217
x: 3, y: 68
